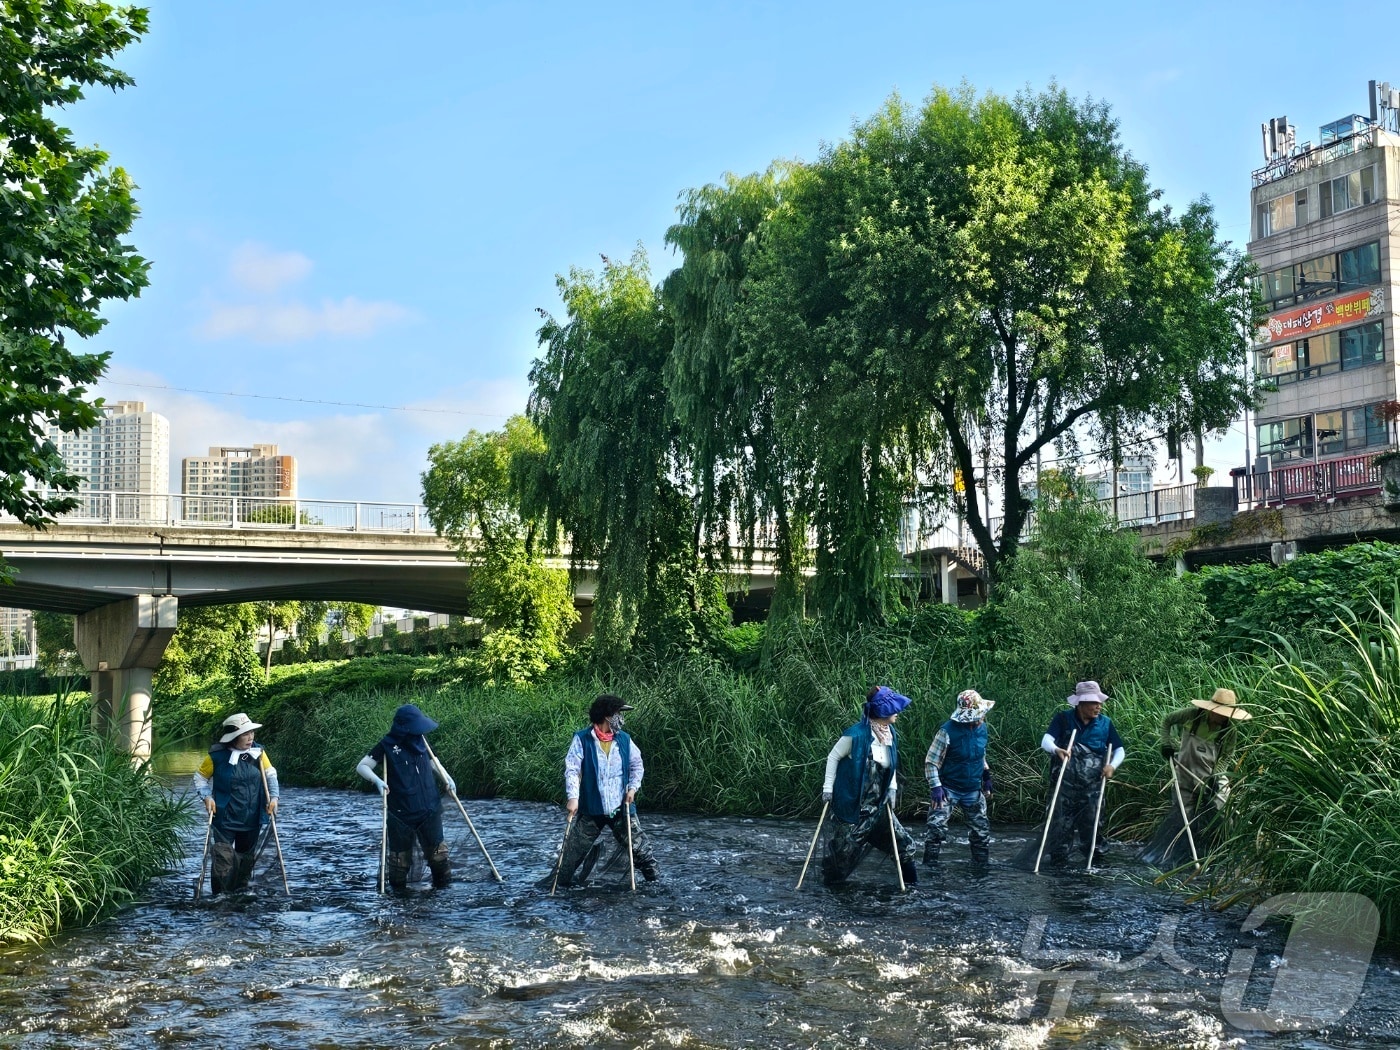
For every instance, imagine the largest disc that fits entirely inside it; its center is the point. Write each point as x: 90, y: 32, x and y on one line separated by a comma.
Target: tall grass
x: 1318, y: 805
x: 722, y: 741
x: 80, y: 829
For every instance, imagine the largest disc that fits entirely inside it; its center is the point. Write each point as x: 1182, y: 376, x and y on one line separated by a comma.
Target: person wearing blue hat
x: 860, y: 785
x: 958, y: 775
x: 414, y: 804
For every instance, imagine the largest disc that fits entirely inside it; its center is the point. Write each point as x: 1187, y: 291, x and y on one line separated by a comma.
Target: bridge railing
x: 241, y: 512
x: 1300, y: 482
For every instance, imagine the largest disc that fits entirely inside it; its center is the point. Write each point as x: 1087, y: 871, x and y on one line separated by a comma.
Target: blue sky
x: 365, y: 203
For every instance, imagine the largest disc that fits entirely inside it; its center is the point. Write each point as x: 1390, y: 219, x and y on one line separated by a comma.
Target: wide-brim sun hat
x: 234, y: 726
x: 1223, y: 702
x: 409, y: 721
x: 971, y: 707
x: 1089, y: 691
x: 885, y: 703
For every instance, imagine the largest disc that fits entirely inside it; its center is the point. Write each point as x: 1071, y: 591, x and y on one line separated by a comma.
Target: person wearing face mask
x: 238, y: 785
x: 602, y: 775
x: 860, y: 785
x: 410, y: 787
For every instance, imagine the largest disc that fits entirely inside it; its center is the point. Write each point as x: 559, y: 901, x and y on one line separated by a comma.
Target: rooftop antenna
x: 1279, y: 139
x: 1385, y: 105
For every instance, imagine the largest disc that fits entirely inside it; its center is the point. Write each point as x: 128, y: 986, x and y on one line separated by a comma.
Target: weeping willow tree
x: 750, y: 479
x: 615, y: 476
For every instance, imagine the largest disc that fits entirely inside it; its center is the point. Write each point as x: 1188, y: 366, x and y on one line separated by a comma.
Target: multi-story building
x: 255, y: 472
x: 1134, y: 475
x: 128, y: 451
x: 17, y: 645
x: 1323, y: 237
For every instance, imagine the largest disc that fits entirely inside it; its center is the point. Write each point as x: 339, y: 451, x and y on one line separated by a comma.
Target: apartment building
x: 128, y: 451
x: 1323, y: 227
x: 255, y: 472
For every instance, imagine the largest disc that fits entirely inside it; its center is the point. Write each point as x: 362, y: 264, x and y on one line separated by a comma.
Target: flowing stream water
x: 720, y: 953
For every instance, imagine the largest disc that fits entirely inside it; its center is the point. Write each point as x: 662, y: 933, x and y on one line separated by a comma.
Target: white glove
x: 451, y: 784
x: 1222, y: 791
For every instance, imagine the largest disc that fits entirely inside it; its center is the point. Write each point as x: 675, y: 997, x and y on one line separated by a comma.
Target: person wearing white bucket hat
x: 1097, y: 753
x: 238, y: 798
x: 958, y: 775
x: 1208, y: 731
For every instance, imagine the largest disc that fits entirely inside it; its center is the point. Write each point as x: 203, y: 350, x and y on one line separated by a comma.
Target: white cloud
x: 297, y: 322
x: 257, y: 268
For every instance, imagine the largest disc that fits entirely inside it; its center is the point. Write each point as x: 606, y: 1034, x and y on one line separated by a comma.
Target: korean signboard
x: 1302, y: 321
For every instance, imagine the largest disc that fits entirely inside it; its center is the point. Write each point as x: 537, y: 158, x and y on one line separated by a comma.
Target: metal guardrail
x: 239, y: 512
x: 1309, y: 156
x: 1302, y: 482
x: 1154, y: 507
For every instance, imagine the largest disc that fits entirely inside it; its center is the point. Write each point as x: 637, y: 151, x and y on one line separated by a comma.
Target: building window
x: 1365, y: 428
x: 1317, y: 355
x: 1282, y: 213
x: 1349, y: 270
x: 1287, y: 439
x: 1348, y: 191
x: 1360, y: 266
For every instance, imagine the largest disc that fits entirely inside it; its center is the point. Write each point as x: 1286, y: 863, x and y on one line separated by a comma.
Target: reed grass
x: 81, y: 829
x: 1318, y: 804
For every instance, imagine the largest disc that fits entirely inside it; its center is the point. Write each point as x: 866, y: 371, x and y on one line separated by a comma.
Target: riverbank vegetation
x: 741, y: 724
x: 81, y: 828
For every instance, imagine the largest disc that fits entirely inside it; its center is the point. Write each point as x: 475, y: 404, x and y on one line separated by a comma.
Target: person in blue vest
x: 958, y: 775
x: 861, y: 784
x: 1097, y: 753
x: 602, y: 775
x: 410, y: 779
x: 238, y: 784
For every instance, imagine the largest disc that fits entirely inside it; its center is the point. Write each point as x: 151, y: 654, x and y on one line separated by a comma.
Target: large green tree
x: 471, y: 498
x: 962, y: 286
x: 750, y: 484
x: 63, y: 214
x: 616, y: 475
x: 1002, y: 268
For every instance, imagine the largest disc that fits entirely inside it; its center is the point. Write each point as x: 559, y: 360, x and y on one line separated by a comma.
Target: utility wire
x: 303, y: 400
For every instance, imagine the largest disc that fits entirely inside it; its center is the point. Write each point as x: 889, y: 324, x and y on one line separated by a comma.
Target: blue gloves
x: 987, y: 786
x: 939, y: 795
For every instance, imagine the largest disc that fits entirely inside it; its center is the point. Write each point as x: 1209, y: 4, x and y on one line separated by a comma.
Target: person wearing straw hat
x: 861, y: 784
x: 414, y: 802
x: 1199, y: 752
x: 239, y: 798
x: 958, y: 775
x: 602, y: 775
x: 1098, y: 752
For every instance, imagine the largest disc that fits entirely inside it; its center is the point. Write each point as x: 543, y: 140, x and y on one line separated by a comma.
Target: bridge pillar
x: 948, y: 579
x: 121, y: 645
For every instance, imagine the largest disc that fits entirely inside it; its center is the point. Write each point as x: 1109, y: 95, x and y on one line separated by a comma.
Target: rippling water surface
x: 720, y: 953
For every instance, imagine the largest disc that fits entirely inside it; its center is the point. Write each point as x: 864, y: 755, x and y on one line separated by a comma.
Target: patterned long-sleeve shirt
x: 609, y: 771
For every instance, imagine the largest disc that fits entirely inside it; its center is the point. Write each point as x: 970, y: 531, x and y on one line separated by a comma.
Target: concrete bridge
x: 123, y: 564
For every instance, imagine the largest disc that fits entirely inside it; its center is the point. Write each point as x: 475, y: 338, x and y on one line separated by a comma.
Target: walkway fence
x: 239, y: 512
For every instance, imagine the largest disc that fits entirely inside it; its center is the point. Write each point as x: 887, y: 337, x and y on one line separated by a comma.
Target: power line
x: 303, y: 400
